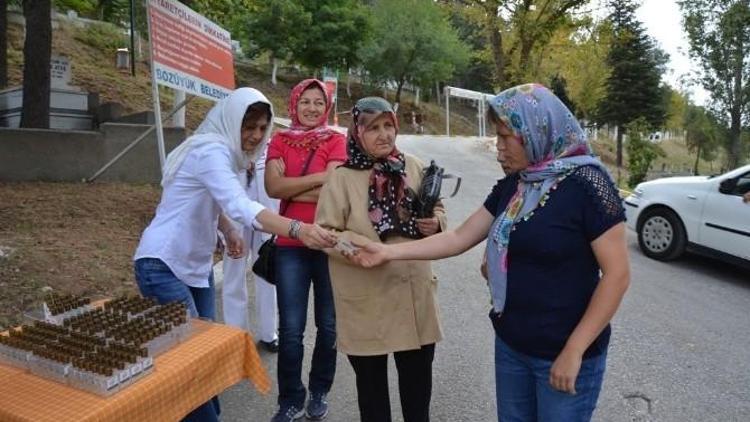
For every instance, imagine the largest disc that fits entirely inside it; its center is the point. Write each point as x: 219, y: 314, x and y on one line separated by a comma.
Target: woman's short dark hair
x: 257, y: 110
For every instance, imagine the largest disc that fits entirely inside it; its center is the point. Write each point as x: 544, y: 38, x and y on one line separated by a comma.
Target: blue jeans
x: 298, y: 268
x: 156, y: 280
x: 525, y: 394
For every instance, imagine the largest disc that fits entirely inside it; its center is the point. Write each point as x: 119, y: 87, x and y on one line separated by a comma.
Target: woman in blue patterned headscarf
x: 557, y: 261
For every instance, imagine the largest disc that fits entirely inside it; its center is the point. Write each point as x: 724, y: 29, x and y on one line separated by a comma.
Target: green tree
x: 535, y: 22
x: 81, y: 7
x: 559, y: 86
x: 676, y: 111
x: 232, y: 15
x: 578, y: 53
x: 633, y: 86
x: 478, y: 74
x: 419, y: 46
x: 114, y: 11
x: 37, y: 49
x: 333, y: 39
x: 514, y: 29
x: 641, y: 152
x: 702, y: 132
x: 276, y: 27
x: 719, y: 35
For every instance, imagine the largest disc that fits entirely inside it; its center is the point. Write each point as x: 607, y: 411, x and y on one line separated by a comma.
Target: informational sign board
x: 189, y: 52
x: 331, y: 84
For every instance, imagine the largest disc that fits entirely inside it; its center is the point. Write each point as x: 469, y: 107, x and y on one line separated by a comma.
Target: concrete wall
x: 71, y: 156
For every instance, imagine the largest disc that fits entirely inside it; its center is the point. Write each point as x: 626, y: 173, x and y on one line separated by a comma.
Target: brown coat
x: 384, y: 309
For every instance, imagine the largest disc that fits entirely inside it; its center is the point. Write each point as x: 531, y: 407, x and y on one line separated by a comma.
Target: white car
x: 704, y: 214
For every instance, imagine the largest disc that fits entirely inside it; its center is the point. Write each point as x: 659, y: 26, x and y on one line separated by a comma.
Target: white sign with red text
x: 189, y: 52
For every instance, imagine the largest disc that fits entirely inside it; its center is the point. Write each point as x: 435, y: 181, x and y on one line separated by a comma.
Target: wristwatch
x: 294, y: 228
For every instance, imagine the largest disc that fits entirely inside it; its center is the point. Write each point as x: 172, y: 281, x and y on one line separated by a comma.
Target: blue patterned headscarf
x: 555, y: 145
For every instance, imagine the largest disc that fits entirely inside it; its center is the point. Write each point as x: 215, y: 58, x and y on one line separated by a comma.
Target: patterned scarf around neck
x: 555, y: 145
x: 391, y: 201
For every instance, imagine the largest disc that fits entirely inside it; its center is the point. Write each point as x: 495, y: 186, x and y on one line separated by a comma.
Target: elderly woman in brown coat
x: 392, y: 308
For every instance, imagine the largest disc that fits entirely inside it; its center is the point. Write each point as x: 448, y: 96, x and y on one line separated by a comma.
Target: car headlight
x: 638, y: 192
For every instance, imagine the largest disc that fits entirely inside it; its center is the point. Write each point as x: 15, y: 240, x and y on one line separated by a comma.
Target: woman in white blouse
x: 173, y: 261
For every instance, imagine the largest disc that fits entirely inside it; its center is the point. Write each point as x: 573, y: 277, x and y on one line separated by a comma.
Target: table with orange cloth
x: 214, y: 358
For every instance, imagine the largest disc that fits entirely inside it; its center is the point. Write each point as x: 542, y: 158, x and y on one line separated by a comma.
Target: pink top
x: 294, y: 157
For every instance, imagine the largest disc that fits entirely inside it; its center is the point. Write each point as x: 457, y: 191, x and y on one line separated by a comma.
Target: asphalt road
x: 680, y: 349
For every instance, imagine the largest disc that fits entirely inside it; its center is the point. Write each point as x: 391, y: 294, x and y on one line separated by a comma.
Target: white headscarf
x: 222, y: 125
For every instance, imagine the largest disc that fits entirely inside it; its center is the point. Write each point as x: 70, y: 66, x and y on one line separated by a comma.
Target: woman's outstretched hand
x: 369, y: 254
x: 316, y: 237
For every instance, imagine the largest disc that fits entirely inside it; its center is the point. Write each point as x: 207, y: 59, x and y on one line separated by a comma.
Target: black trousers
x: 414, y: 384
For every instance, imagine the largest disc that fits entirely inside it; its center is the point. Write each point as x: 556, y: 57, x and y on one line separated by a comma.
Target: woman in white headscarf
x: 173, y: 261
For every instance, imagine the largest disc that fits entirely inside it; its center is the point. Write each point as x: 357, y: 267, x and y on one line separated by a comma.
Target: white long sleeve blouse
x: 183, y: 232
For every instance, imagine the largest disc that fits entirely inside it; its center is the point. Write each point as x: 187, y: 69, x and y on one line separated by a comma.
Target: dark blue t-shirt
x: 552, y: 270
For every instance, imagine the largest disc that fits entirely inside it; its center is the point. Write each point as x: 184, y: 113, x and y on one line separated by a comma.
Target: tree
x: 419, y: 47
x: 81, y: 7
x: 514, y: 29
x: 114, y: 11
x: 37, y: 49
x: 633, y: 86
x: 701, y: 134
x: 676, y: 117
x: 275, y: 27
x: 535, y: 23
x: 641, y: 152
x: 559, y: 86
x: 719, y: 36
x: 578, y: 53
x: 232, y: 15
x: 478, y: 74
x: 333, y: 39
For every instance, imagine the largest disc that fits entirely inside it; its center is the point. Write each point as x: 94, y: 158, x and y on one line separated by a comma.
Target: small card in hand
x: 345, y: 246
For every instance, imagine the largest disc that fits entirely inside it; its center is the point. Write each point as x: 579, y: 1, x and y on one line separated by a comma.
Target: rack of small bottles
x: 59, y: 307
x: 97, y: 349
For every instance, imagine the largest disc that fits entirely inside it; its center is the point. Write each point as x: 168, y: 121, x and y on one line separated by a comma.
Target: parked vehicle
x: 704, y: 214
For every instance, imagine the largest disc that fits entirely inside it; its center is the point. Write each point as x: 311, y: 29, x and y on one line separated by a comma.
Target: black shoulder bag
x: 429, y: 190
x: 265, y: 265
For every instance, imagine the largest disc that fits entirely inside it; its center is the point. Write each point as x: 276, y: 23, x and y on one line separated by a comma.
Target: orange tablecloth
x: 214, y: 358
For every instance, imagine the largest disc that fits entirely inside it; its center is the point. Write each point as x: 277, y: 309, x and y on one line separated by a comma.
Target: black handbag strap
x: 304, y: 173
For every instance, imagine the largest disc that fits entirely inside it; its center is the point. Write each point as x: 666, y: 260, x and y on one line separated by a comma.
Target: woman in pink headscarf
x: 299, y: 159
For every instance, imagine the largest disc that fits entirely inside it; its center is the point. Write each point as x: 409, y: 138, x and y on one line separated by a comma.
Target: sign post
x: 189, y: 53
x: 332, y: 85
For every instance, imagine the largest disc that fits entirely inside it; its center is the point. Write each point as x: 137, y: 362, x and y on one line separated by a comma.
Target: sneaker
x: 317, y: 407
x: 288, y: 414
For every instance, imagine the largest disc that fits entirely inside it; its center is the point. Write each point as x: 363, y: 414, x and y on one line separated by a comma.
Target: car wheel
x: 661, y: 234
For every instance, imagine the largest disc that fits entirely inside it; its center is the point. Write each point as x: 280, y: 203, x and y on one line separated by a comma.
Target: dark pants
x: 414, y: 384
x: 297, y: 269
x: 156, y: 280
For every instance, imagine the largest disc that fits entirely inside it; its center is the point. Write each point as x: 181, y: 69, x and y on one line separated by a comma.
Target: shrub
x: 641, y: 152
